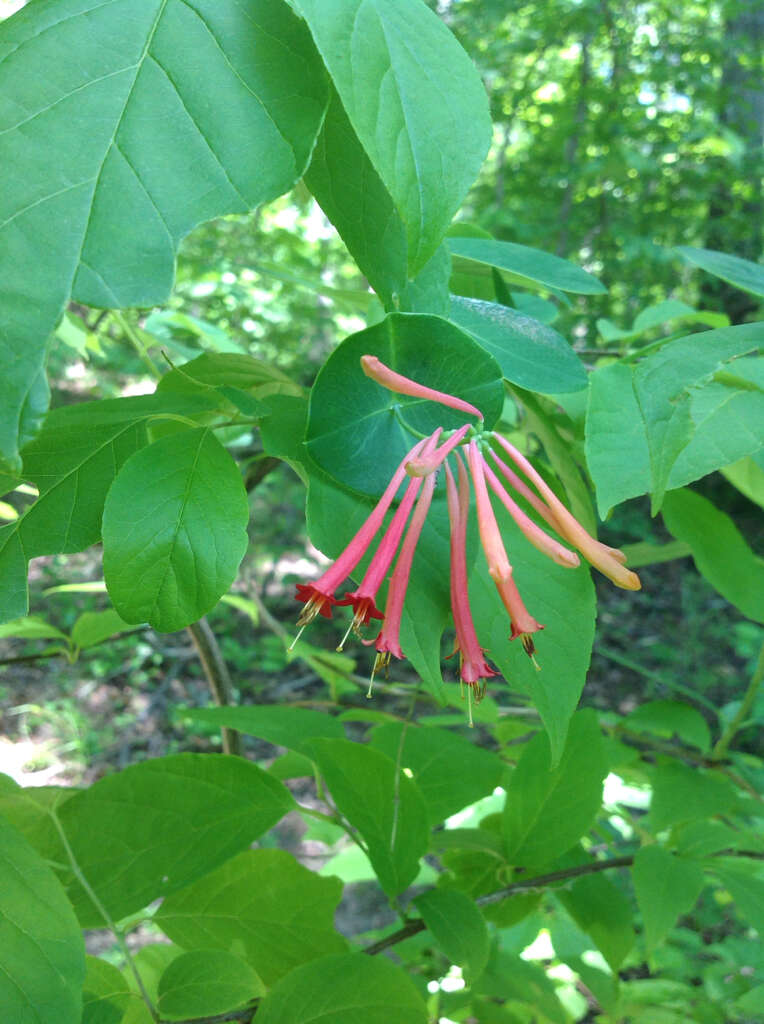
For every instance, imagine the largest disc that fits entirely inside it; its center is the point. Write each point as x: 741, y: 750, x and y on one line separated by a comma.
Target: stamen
x: 299, y: 634
x: 344, y: 640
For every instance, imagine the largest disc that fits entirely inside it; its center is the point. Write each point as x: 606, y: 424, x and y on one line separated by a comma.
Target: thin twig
x: 741, y: 714
x: 217, y: 675
x: 529, y: 884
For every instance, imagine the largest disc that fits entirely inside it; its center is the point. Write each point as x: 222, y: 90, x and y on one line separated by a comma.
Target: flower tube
x: 523, y: 623
x: 609, y: 561
x: 401, y: 385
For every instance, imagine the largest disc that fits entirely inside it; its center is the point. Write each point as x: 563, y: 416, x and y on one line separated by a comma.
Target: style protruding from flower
x: 418, y: 471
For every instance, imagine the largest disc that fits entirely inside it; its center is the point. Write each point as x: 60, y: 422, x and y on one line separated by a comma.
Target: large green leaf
x: 353, y: 197
x: 548, y: 807
x: 719, y: 550
x: 457, y: 926
x: 205, y: 983
x: 666, y: 886
x: 155, y: 827
x: 683, y: 412
x: 42, y: 953
x: 378, y: 799
x: 262, y: 904
x: 415, y: 102
x: 678, y: 392
x: 174, y: 530
x: 162, y: 114
x: 73, y: 462
x: 525, y: 266
x: 450, y: 771
x: 530, y: 354
x: 350, y: 414
x: 346, y: 988
x: 742, y: 273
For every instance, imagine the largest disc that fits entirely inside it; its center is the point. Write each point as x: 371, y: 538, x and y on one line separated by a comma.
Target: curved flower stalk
x: 419, y: 468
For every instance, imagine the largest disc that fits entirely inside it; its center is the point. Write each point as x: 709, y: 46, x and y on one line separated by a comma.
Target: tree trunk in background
x: 742, y: 111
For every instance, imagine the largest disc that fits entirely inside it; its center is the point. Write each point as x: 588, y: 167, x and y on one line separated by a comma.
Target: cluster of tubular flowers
x: 494, y: 467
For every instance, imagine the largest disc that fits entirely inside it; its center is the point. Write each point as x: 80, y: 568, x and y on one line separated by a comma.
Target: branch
x: 244, y: 1016
x: 528, y: 884
x: 217, y: 676
x: 742, y: 712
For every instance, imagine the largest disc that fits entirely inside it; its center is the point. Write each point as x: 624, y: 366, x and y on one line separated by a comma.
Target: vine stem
x: 137, y: 344
x: 121, y: 942
x: 741, y: 714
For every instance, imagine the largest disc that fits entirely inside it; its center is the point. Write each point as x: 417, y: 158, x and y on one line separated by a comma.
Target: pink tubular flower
x: 362, y: 599
x: 318, y: 596
x: 609, y: 561
x: 388, y: 642
x: 473, y: 665
x: 523, y: 623
x: 401, y: 385
x: 424, y: 465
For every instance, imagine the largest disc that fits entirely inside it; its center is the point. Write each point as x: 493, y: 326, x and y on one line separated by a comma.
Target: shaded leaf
x: 350, y: 988
x: 457, y: 926
x: 669, y: 717
x: 666, y: 886
x: 530, y: 354
x: 284, y: 726
x: 415, y: 102
x: 601, y: 910
x: 262, y: 905
x: 378, y: 799
x: 204, y: 983
x: 43, y: 955
x: 243, y: 92
x: 549, y: 808
x: 527, y: 267
x: 681, y: 793
x: 742, y: 273
x: 174, y: 530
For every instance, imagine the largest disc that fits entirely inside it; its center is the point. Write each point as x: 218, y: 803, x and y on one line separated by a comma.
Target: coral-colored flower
x: 609, y: 561
x: 318, y: 596
x: 523, y: 623
x: 401, y: 385
x: 473, y: 666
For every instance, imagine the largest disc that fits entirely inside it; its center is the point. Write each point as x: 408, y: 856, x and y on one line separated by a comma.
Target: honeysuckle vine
x: 479, y: 469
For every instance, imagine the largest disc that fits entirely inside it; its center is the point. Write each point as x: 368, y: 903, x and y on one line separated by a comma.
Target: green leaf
x: 669, y: 717
x: 616, y: 443
x: 283, y: 726
x: 660, y: 313
x: 378, y: 799
x: 527, y: 267
x: 212, y: 372
x: 349, y: 988
x: 353, y: 197
x: 450, y: 771
x: 681, y: 793
x: 155, y: 827
x: 703, y: 838
x: 174, y: 530
x: 529, y: 353
x: 669, y: 422
x: 748, y: 476
x: 742, y: 273
x: 603, y: 912
x: 261, y: 904
x: 244, y: 93
x: 719, y: 550
x: 92, y: 628
x: 678, y: 397
x: 509, y: 977
x: 415, y: 102
x: 548, y: 809
x: 43, y: 955
x: 31, y: 627
x: 206, y: 982
x: 666, y: 886
x: 457, y: 926
x: 743, y: 880
x: 283, y: 428
x: 563, y: 601
x: 349, y: 412
x: 105, y: 993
